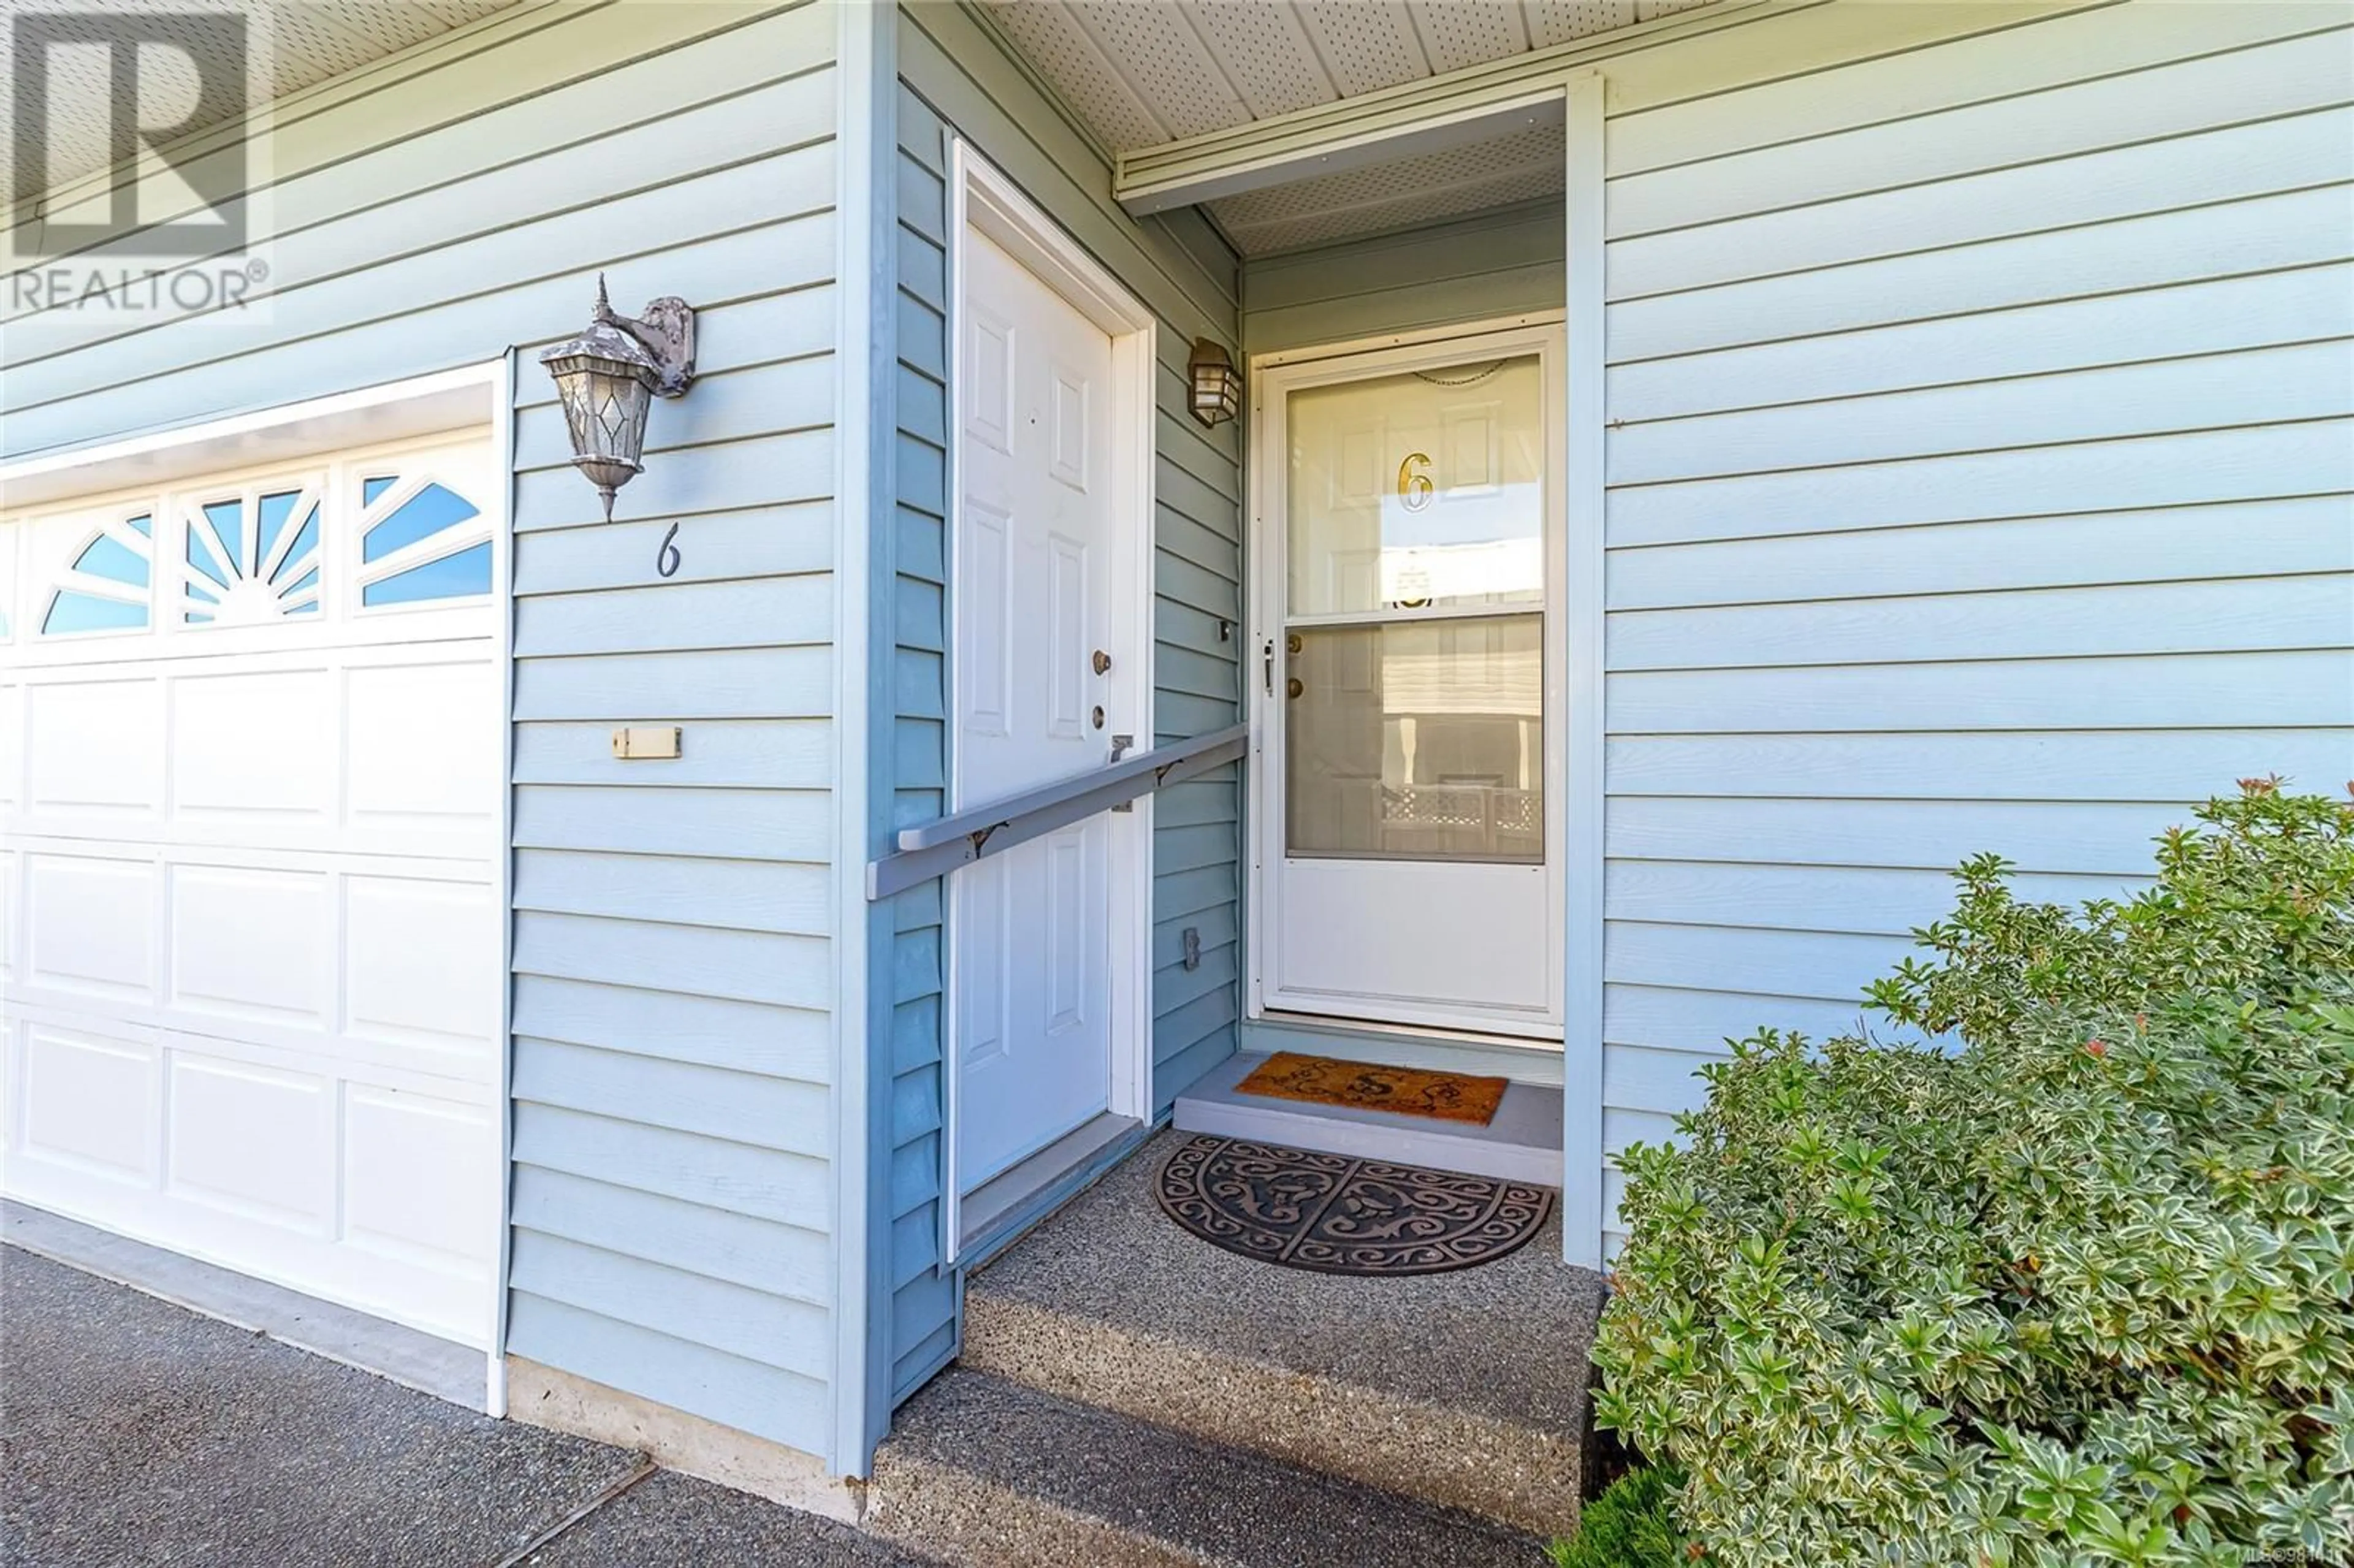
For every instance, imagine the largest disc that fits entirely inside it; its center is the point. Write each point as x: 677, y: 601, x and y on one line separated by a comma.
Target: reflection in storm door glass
x: 1415, y: 492
x: 1418, y: 741
x: 1415, y: 723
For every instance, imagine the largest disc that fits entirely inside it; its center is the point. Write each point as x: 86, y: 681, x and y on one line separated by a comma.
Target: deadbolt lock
x: 1102, y: 663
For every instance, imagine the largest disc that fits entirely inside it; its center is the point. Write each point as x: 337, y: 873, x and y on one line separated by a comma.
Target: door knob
x: 1102, y: 663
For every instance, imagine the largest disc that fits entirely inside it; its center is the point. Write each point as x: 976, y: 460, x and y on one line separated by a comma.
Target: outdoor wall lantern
x: 1218, y: 389
x: 608, y: 378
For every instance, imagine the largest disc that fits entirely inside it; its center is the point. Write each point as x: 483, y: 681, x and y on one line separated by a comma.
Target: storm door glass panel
x: 1421, y: 741
x: 1421, y: 491
x: 1415, y: 714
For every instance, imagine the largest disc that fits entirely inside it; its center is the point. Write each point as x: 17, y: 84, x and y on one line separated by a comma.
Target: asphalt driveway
x: 132, y: 1432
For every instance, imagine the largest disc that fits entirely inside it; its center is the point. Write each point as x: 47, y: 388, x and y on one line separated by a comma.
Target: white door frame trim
x: 982, y: 198
x: 1275, y: 358
x: 1273, y: 377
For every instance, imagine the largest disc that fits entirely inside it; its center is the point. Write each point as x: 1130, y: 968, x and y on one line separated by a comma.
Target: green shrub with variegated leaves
x: 2072, y: 1286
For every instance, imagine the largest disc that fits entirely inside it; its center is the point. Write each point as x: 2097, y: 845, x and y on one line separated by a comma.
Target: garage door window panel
x: 107, y: 585
x: 420, y: 542
x: 253, y: 558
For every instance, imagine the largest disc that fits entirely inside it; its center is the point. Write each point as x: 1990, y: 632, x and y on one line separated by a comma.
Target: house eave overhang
x: 84, y: 172
x: 1474, y: 104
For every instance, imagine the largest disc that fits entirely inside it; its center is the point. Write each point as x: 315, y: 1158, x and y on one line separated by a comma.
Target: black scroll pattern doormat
x: 1338, y: 1216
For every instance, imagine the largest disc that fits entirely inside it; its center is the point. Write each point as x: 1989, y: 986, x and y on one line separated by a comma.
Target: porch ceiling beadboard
x: 1140, y: 75
x: 673, y: 1191
x: 957, y: 82
x: 1979, y: 465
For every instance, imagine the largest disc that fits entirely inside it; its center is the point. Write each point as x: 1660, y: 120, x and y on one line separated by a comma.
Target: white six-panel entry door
x: 250, y: 765
x: 1034, y: 595
x: 1049, y: 661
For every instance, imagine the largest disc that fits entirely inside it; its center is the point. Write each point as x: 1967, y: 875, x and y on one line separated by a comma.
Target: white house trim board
x: 864, y: 431
x: 984, y: 200
x: 464, y: 399
x: 1585, y: 477
x: 494, y: 1397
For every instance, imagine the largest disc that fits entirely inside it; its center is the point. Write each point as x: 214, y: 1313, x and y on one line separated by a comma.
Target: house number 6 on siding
x: 1414, y: 482
x: 666, y: 559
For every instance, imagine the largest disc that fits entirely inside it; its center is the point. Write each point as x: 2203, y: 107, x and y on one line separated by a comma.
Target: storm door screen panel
x: 1412, y: 860
x: 1031, y: 927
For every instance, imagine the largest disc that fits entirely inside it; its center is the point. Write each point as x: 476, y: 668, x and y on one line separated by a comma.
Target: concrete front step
x: 1465, y: 1390
x: 984, y: 1473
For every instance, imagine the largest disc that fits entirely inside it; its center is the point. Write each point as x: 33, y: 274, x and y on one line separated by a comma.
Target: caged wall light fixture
x: 1216, y: 388
x: 608, y: 376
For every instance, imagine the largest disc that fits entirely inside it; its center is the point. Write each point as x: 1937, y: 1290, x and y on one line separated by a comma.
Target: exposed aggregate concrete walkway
x: 134, y: 1433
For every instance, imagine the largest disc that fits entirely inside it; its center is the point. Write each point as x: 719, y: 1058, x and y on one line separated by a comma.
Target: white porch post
x: 1582, y: 672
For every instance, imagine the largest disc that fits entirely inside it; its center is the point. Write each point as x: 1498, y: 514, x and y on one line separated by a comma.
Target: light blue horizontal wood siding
x: 1498, y: 264
x: 673, y: 1182
x: 956, y: 81
x: 673, y: 1190
x: 1980, y: 460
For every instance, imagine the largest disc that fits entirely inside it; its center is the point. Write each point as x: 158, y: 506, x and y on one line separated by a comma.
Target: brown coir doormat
x: 1321, y: 1080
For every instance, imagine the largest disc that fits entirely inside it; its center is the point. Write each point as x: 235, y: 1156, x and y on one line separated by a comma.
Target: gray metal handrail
x: 939, y: 847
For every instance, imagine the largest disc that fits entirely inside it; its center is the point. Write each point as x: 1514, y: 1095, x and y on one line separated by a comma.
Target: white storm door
x: 1030, y: 929
x: 1409, y: 782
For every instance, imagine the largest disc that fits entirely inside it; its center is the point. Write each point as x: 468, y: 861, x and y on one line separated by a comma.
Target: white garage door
x: 249, y: 929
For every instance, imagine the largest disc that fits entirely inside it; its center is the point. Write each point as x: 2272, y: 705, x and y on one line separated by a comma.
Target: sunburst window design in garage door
x: 106, y: 588
x: 419, y: 542
x: 252, y: 559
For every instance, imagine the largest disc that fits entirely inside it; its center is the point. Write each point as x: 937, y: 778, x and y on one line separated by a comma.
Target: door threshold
x: 1524, y: 1061
x: 1523, y: 1142
x: 1511, y: 1040
x: 1032, y: 1187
